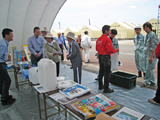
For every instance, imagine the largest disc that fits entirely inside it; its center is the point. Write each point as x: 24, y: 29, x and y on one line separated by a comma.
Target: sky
x: 76, y: 13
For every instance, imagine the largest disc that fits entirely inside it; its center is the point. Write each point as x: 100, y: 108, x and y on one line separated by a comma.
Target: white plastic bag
x: 114, y: 61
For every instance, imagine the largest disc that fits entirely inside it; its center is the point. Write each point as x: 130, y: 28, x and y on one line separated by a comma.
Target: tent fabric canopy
x: 23, y: 15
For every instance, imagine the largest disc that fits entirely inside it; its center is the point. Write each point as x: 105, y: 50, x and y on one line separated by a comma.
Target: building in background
x: 93, y: 31
x: 75, y: 30
x: 56, y: 31
x: 124, y: 30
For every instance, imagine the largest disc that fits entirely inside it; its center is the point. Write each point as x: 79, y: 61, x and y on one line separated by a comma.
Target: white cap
x: 137, y: 27
x: 43, y: 30
x: 49, y: 35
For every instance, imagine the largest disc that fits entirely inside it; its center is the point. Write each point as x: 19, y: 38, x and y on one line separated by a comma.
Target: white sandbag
x: 114, y: 61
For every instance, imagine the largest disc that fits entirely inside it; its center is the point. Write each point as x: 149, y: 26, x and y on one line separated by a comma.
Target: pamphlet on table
x: 127, y: 114
x: 94, y: 105
x: 75, y: 91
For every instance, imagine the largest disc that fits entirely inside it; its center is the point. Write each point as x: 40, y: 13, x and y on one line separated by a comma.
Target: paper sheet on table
x: 114, y: 61
x: 127, y: 114
x: 41, y: 89
x: 57, y: 52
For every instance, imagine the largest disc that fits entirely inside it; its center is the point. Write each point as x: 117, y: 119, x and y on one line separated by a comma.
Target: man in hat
x: 36, y: 46
x: 139, y: 50
x: 5, y: 80
x: 105, y: 49
x: 86, y: 45
x: 44, y: 32
x: 64, y: 40
x: 75, y: 57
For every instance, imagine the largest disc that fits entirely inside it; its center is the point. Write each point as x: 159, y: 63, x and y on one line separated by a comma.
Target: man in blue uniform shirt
x: 64, y: 40
x: 5, y: 80
x: 36, y: 46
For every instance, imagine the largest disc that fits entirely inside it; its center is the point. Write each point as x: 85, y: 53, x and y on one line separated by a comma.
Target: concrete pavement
x: 126, y: 57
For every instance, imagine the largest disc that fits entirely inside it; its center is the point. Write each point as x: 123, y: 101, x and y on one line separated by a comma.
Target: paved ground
x: 126, y: 57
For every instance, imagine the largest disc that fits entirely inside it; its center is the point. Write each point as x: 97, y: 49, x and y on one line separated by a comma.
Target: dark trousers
x: 77, y: 72
x: 61, y: 46
x: 5, y: 82
x: 104, y: 70
x: 35, y: 60
x: 157, y: 97
x: 57, y: 68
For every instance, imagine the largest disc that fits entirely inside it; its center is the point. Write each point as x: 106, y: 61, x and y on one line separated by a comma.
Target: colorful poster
x: 94, y: 105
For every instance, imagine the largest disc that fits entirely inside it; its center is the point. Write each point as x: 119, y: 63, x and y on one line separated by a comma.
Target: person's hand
x: 38, y: 55
x: 117, y: 50
x: 67, y: 56
x: 82, y: 48
x: 150, y: 59
x: 54, y: 54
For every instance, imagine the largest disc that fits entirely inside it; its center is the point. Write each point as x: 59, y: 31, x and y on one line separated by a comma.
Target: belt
x: 2, y: 63
x: 37, y: 51
x: 103, y: 55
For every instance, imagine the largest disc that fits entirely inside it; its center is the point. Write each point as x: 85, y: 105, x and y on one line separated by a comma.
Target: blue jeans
x: 5, y: 82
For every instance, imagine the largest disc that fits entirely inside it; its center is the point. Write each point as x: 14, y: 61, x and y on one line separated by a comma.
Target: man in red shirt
x: 105, y: 49
x: 156, y: 99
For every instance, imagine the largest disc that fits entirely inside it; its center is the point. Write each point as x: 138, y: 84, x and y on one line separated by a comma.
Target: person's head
x: 147, y: 27
x: 70, y: 36
x: 43, y: 32
x: 59, y: 34
x: 49, y: 37
x: 137, y: 29
x: 113, y: 33
x: 106, y: 29
x: 36, y: 31
x: 63, y: 34
x: 7, y: 34
x: 79, y: 36
x: 86, y: 32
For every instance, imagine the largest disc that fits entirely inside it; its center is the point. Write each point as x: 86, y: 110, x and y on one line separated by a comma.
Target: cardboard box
x: 103, y: 116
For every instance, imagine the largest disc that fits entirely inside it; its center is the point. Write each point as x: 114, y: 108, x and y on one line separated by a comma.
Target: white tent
x: 23, y: 15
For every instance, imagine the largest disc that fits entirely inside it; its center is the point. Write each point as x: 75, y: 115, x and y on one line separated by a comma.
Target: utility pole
x: 59, y: 25
x: 89, y: 22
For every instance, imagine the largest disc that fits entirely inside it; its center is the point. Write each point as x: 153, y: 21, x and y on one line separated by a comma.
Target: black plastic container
x: 123, y: 79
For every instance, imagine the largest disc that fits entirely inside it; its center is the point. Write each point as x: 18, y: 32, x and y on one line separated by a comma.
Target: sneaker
x: 143, y: 85
x: 152, y: 84
x: 153, y: 102
x: 108, y: 91
x: 101, y: 87
x: 9, y: 101
x: 71, y: 67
